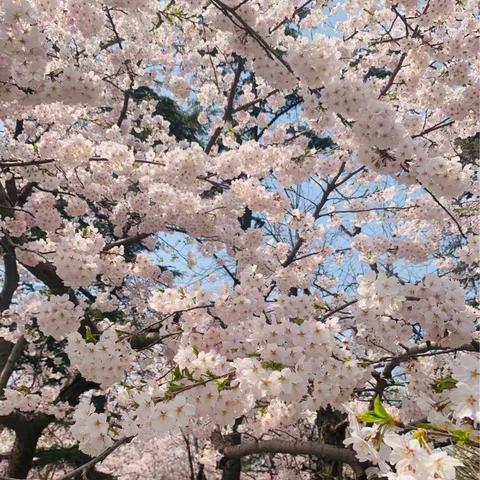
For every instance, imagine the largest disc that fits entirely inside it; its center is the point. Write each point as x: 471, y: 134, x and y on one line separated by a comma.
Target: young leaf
x: 377, y: 415
x: 379, y: 409
x: 461, y: 437
x: 177, y: 374
x: 442, y: 384
x: 272, y: 365
x: 89, y: 336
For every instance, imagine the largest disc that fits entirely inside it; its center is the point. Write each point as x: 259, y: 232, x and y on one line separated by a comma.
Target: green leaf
x: 421, y: 436
x: 461, y: 437
x: 377, y: 415
x: 379, y: 409
x: 177, y: 373
x: 442, y: 384
x: 271, y: 365
x: 370, y: 417
x: 222, y: 383
x: 23, y: 389
x: 89, y: 336
x: 172, y: 388
x: 196, y: 351
x: 426, y: 425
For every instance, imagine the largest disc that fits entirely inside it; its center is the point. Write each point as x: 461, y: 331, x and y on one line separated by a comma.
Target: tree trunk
x: 232, y: 467
x: 331, y: 429
x: 27, y: 432
x: 201, y: 473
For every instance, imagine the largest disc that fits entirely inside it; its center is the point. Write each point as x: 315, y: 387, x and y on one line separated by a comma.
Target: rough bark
x: 339, y: 454
x: 331, y: 429
x: 9, y: 365
x: 11, y: 279
x: 10, y: 284
x: 28, y: 430
x: 201, y: 473
x: 231, y: 465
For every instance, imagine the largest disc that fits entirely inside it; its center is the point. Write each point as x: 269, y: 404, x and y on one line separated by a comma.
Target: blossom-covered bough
x: 253, y: 222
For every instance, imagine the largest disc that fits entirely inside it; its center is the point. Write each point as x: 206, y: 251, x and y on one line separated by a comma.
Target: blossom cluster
x: 104, y: 361
x: 58, y: 316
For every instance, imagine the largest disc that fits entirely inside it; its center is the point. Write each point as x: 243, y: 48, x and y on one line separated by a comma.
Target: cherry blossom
x: 245, y: 227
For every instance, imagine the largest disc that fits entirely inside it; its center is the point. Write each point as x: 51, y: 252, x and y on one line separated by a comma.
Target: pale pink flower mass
x: 239, y: 239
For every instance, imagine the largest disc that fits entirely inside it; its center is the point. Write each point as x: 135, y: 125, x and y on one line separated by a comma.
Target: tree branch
x: 10, y: 363
x: 127, y: 241
x: 227, y: 116
x: 391, y: 79
x: 234, y: 17
x: 29, y: 163
x: 87, y: 466
x: 343, y: 455
x: 11, y: 279
x: 382, y: 378
x: 330, y: 188
x: 444, y: 123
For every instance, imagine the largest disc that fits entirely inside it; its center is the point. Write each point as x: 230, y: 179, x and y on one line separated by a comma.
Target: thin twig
x: 391, y: 79
x: 87, y: 466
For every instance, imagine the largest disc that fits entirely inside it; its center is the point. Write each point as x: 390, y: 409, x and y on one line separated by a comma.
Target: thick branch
x: 227, y: 116
x: 11, y: 279
x: 45, y: 272
x: 28, y: 429
x: 126, y: 100
x: 10, y: 363
x: 382, y: 378
x: 343, y: 455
